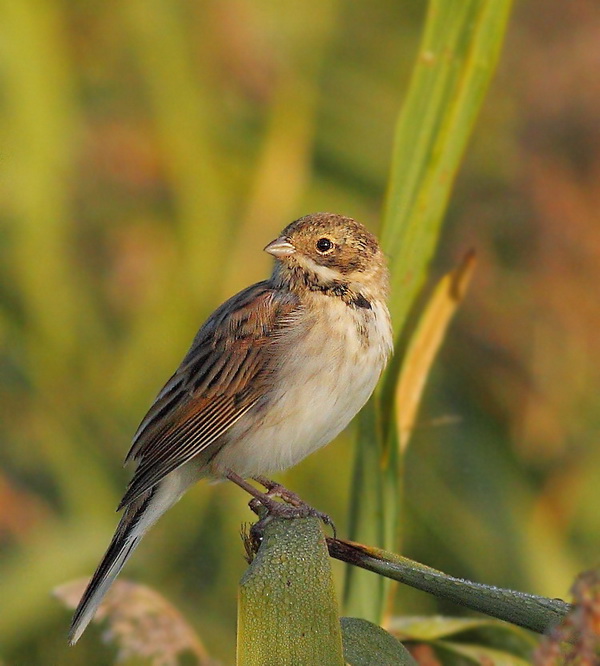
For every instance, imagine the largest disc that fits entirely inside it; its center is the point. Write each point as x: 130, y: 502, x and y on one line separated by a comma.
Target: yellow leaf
x: 425, y: 343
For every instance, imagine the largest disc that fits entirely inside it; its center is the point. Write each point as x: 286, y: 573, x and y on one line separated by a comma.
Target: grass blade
x: 457, y: 58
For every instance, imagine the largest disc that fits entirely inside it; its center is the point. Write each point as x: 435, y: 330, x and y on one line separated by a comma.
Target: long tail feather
x: 123, y: 544
x: 137, y: 519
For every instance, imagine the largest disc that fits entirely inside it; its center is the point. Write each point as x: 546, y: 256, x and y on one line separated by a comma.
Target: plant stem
x: 287, y: 611
x: 531, y: 611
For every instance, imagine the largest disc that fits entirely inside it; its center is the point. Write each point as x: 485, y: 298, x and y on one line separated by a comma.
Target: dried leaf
x: 141, y: 621
x: 425, y: 343
x: 576, y: 640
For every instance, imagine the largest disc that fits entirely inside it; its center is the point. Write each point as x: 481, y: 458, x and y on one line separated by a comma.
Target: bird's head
x: 325, y: 249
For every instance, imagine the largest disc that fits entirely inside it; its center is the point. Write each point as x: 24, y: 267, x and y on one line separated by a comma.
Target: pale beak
x: 280, y: 247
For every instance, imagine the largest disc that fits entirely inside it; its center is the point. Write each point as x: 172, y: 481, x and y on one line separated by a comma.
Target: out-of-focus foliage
x: 141, y: 623
x: 464, y: 641
x: 150, y: 149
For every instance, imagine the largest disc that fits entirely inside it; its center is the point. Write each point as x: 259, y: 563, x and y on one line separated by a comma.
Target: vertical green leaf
x: 456, y: 60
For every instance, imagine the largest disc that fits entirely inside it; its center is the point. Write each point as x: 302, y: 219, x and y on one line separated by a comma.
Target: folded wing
x: 223, y: 376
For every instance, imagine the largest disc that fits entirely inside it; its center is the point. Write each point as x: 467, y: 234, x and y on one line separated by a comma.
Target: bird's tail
x: 137, y: 519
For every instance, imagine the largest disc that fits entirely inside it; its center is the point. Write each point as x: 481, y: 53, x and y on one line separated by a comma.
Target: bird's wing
x: 224, y: 374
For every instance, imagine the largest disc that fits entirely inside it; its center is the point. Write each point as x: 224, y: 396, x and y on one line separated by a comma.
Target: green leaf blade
x: 457, y: 58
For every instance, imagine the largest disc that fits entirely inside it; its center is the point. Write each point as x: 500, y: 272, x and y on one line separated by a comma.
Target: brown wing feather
x: 221, y: 378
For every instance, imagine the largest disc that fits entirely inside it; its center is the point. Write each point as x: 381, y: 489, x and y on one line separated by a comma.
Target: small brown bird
x: 274, y: 374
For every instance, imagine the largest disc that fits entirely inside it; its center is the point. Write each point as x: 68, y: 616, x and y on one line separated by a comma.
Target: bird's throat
x: 301, y: 279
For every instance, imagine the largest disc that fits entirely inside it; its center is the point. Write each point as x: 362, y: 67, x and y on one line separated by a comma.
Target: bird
x: 275, y: 373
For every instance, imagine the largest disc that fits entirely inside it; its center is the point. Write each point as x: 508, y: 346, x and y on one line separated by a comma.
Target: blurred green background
x: 149, y: 150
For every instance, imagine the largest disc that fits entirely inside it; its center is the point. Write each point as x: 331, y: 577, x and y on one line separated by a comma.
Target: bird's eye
x: 324, y: 245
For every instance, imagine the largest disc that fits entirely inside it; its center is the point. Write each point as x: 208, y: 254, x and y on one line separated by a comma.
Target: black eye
x: 324, y: 245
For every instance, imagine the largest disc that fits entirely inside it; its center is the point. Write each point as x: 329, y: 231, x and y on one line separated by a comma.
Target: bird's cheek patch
x: 324, y: 274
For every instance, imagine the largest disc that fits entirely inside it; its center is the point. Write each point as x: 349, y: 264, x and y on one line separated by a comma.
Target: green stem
x: 287, y: 612
x: 525, y: 610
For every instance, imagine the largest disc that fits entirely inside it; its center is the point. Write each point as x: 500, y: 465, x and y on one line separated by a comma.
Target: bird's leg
x: 273, y: 506
x: 296, y: 508
x: 275, y: 489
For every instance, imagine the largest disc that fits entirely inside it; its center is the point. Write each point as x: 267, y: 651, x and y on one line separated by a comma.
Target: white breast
x: 328, y: 374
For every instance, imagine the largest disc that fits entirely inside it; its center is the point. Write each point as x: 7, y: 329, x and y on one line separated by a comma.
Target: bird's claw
x: 292, y: 507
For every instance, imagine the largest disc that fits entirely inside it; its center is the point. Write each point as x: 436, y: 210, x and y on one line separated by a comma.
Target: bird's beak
x: 280, y: 247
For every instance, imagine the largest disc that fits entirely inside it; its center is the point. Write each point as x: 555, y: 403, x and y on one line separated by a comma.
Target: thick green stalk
x: 287, y: 612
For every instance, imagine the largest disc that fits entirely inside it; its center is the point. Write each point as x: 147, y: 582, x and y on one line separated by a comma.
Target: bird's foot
x: 294, y: 507
x: 291, y: 507
x: 275, y: 509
